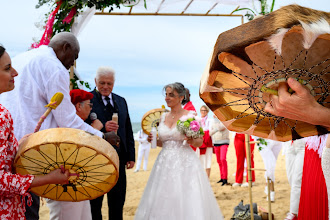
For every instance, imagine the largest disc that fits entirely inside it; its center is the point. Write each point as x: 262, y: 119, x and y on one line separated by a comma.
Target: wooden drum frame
x: 259, y: 55
x: 92, y: 162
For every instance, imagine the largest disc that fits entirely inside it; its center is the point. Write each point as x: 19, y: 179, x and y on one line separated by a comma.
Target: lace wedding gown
x: 178, y: 187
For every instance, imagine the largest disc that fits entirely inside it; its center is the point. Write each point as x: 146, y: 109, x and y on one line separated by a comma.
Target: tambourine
x: 249, y: 62
x: 92, y: 162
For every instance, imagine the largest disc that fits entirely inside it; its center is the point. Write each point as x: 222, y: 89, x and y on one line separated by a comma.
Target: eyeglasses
x: 203, y: 110
x: 90, y: 104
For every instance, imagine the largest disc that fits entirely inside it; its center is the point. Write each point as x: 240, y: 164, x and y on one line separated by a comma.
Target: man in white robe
x: 42, y: 73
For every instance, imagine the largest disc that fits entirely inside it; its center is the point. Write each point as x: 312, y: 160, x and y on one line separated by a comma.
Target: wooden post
x: 248, y: 150
x: 270, y: 217
x: 72, y: 74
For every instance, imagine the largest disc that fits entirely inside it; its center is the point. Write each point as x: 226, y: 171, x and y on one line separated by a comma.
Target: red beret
x: 78, y: 95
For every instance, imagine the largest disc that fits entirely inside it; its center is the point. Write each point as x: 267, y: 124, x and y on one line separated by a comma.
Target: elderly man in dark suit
x: 105, y: 104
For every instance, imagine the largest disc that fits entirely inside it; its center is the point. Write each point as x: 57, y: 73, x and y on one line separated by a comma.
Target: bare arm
x: 54, y: 177
x: 196, y: 142
x: 159, y: 143
x: 300, y: 105
x: 97, y: 124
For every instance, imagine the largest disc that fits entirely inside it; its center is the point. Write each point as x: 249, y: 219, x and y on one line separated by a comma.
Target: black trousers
x: 116, y: 198
x: 32, y: 212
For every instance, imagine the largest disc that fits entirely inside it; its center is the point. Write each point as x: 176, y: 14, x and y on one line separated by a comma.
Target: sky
x: 147, y: 52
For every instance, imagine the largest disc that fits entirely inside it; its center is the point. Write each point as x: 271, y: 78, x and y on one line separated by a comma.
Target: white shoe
x: 236, y: 184
x: 246, y: 184
x: 272, y: 196
x: 135, y: 171
x: 290, y: 216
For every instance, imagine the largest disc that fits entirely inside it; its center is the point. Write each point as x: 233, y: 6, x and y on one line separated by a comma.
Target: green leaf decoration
x: 263, y: 10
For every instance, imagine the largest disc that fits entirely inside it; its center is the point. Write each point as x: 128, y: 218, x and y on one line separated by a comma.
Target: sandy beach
x: 227, y: 196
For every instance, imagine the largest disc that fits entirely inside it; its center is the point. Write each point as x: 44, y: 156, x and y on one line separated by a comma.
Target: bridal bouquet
x: 190, y: 127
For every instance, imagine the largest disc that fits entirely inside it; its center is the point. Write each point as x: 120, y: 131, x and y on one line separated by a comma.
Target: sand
x: 227, y: 196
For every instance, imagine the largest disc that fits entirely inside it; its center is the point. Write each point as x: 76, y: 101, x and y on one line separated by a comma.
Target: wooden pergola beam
x: 184, y: 10
x: 165, y: 14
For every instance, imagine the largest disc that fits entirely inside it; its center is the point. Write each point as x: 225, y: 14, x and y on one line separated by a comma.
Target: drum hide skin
x: 92, y: 162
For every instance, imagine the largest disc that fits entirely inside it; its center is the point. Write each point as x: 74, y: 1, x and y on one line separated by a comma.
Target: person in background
x: 81, y: 100
x: 241, y: 155
x: 14, y: 188
x: 105, y: 105
x: 220, y: 139
x: 187, y: 104
x: 269, y: 151
x: 206, y: 150
x: 44, y: 72
x: 144, y: 149
x: 80, y: 210
x: 294, y: 162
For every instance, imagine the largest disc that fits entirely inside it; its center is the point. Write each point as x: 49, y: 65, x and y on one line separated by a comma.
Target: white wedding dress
x: 178, y: 187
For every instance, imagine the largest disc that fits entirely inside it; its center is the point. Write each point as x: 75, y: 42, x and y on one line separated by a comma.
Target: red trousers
x: 221, y: 153
x: 239, y: 143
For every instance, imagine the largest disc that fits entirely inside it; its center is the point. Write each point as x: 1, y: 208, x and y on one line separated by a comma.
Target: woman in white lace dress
x: 178, y: 187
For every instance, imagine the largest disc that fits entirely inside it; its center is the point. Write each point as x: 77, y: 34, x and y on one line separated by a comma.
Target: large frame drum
x: 152, y: 119
x: 251, y: 60
x: 92, y: 162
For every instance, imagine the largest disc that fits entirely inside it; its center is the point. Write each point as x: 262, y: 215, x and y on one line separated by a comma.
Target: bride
x: 178, y: 187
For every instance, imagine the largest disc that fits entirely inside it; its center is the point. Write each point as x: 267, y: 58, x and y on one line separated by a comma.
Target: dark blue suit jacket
x: 126, y: 151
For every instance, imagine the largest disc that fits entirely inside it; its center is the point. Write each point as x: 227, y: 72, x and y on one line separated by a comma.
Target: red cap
x: 79, y: 95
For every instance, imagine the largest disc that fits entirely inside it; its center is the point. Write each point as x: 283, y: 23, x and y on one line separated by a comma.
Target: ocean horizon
x: 136, y: 126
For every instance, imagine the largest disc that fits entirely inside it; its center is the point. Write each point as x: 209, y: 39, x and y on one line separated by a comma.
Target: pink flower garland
x: 72, y: 13
x: 48, y: 29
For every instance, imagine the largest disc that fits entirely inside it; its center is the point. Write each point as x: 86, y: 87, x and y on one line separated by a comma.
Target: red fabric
x: 314, y: 198
x: 79, y: 95
x: 48, y: 33
x: 221, y: 154
x: 240, y: 149
x: 68, y: 18
x: 12, y: 186
x: 207, y: 142
x: 189, y: 106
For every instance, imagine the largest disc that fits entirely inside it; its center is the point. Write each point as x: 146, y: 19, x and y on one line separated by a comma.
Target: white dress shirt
x: 105, y: 101
x: 40, y: 75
